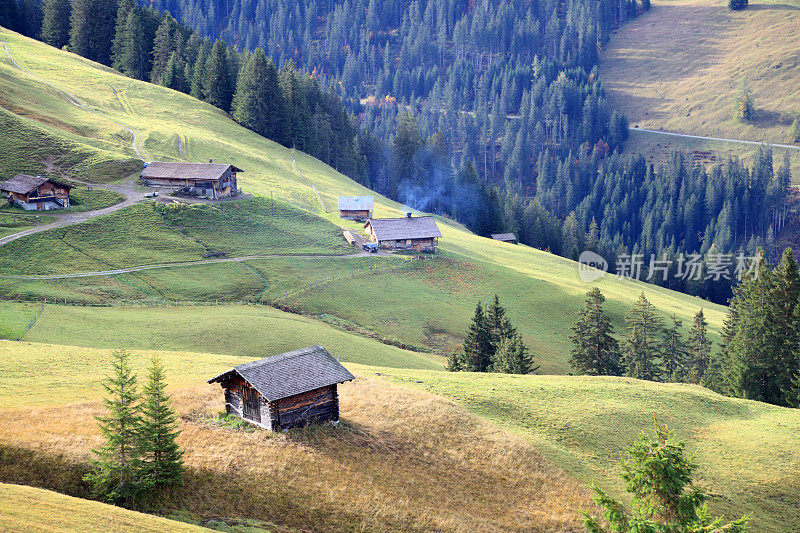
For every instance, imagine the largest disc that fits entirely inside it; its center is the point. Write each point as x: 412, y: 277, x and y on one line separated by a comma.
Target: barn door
x: 251, y: 406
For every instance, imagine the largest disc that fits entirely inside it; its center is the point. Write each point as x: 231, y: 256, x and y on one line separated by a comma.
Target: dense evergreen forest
x: 489, y: 112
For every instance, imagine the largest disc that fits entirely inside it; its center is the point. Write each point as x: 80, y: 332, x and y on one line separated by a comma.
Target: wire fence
x: 32, y: 322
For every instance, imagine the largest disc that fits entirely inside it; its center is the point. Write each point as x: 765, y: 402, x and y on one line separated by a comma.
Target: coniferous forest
x: 490, y: 113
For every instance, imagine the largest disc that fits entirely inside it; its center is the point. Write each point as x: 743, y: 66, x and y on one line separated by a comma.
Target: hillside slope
x: 430, y: 306
x: 678, y: 69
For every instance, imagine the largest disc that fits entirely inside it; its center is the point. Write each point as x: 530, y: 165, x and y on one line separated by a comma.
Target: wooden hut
x: 356, y: 207
x: 285, y: 391
x: 36, y: 193
x: 420, y: 234
x: 505, y: 237
x: 212, y: 180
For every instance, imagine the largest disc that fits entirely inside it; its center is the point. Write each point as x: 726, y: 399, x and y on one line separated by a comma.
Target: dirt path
x: 72, y: 99
x: 185, y: 264
x: 715, y: 138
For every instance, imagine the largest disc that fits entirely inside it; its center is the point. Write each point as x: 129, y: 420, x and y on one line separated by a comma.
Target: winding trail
x: 128, y: 270
x: 72, y: 99
x: 687, y: 136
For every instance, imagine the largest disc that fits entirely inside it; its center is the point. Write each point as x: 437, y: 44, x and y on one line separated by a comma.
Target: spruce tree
x: 124, y: 7
x: 217, y: 89
x: 117, y: 461
x: 30, y: 13
x: 257, y: 102
x: 641, y: 348
x: 796, y: 130
x: 133, y: 62
x: 699, y: 349
x: 664, y: 499
x: 781, y: 351
x: 162, y: 48
x: 174, y: 75
x: 737, y: 5
x: 478, y: 348
x: 595, y: 351
x: 499, y: 326
x: 674, y: 353
x: 745, y: 102
x: 55, y: 22
x: 9, y: 14
x: 512, y: 357
x: 162, y: 466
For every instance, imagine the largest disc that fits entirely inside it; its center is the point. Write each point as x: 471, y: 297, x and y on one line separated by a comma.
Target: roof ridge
x: 281, y: 357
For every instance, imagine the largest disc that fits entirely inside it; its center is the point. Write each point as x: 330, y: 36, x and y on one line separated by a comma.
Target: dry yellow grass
x: 28, y: 510
x: 400, y: 460
x: 678, y: 68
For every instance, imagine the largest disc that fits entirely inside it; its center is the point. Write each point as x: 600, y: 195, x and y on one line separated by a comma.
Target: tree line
x: 492, y: 344
x: 759, y: 353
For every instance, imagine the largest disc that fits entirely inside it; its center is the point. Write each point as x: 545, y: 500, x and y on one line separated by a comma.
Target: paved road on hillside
x: 714, y: 138
x: 188, y: 263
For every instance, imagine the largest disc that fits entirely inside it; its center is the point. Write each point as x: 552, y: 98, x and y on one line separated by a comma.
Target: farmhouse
x: 285, y: 391
x: 409, y: 233
x: 505, y: 237
x: 36, y: 193
x: 212, y: 180
x: 353, y: 207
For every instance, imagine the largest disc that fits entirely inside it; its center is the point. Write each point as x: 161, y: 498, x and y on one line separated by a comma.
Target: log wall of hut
x: 420, y: 245
x: 353, y: 214
x: 245, y: 402
x: 316, y: 406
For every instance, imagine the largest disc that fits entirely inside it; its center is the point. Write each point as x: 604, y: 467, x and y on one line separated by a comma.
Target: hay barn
x: 285, y: 391
x: 36, y: 193
x: 353, y: 207
x: 212, y: 180
x: 420, y: 234
x: 505, y: 237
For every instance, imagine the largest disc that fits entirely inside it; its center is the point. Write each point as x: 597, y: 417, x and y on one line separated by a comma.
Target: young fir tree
x: 699, y: 349
x: 641, y: 348
x: 512, y: 357
x: 674, y: 353
x: 162, y: 466
x: 664, y: 499
x: 745, y: 103
x: 595, y: 351
x: 796, y: 130
x: 478, y: 348
x: 55, y: 22
x: 499, y: 325
x: 117, y: 462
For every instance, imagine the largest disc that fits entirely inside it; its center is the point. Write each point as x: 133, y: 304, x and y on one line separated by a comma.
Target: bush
x: 737, y: 5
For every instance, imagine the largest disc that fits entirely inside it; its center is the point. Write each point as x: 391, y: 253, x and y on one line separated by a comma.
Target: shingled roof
x: 182, y: 171
x: 23, y: 184
x: 505, y: 237
x: 396, y: 229
x: 356, y: 203
x: 290, y: 373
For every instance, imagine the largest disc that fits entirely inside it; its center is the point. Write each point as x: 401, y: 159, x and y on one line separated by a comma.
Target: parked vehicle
x: 370, y: 247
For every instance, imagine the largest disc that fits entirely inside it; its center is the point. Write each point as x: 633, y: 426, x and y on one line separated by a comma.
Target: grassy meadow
x: 400, y: 460
x: 747, y: 451
x: 679, y: 66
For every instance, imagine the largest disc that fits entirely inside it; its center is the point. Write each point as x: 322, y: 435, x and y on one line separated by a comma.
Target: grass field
x: 747, y: 451
x: 401, y: 460
x: 678, y: 68
x: 250, y: 331
x: 35, y: 510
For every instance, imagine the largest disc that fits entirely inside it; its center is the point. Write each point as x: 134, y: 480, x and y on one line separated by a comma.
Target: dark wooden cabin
x: 505, y: 237
x: 212, y: 180
x: 285, y: 391
x: 419, y: 234
x: 36, y: 193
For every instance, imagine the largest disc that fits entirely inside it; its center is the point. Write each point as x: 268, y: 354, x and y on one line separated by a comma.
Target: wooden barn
x: 420, y: 234
x: 353, y: 207
x: 505, y: 237
x: 285, y: 391
x: 36, y: 193
x: 212, y: 180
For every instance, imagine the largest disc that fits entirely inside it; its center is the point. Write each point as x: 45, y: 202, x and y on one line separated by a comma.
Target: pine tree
x: 699, y: 349
x: 512, y: 357
x: 595, y: 352
x: 162, y: 466
x: 745, y: 103
x: 55, y: 22
x: 478, y: 348
x: 217, y: 87
x: 674, y: 353
x: 117, y: 461
x: 641, y: 350
x: 664, y: 499
x: 257, y: 103
x: 162, y: 48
